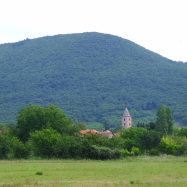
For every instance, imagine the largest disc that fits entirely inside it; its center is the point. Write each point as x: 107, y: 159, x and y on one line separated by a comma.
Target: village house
x: 126, y: 123
x: 106, y: 133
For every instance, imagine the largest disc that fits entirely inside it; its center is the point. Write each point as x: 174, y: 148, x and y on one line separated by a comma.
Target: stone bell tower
x: 126, y: 119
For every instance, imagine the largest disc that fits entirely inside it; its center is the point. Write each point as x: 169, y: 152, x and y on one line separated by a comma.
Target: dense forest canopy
x: 90, y: 76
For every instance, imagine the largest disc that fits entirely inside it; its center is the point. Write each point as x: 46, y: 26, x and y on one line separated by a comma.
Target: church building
x: 126, y: 119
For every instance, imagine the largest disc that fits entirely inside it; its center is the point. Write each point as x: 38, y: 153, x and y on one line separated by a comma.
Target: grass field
x: 136, y: 171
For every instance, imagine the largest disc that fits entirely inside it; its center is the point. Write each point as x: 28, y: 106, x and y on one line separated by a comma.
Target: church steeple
x: 126, y: 119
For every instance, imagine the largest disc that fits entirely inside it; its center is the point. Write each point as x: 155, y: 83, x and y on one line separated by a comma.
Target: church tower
x: 126, y: 119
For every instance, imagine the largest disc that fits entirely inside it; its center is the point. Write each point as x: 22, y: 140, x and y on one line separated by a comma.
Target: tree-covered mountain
x: 90, y: 76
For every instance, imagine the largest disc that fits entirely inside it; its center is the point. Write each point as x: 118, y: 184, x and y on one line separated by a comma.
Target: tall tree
x: 161, y: 122
x: 106, y: 127
x: 33, y: 117
x: 169, y: 120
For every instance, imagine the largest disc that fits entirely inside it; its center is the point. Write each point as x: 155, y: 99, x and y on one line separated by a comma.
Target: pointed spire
x: 126, y: 112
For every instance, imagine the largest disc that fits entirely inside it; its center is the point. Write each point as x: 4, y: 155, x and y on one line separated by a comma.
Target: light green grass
x: 142, y: 171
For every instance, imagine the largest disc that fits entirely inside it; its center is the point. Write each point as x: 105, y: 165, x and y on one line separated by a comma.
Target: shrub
x: 45, y: 142
x: 117, y: 153
x: 135, y: 151
x: 125, y: 152
x: 167, y: 145
x: 5, y: 145
x: 95, y: 152
x: 181, y: 143
x: 20, y: 150
x: 39, y: 173
x: 104, y: 153
x: 154, y: 152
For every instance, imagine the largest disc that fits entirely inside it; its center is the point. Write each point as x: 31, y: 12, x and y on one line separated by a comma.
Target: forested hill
x: 90, y: 76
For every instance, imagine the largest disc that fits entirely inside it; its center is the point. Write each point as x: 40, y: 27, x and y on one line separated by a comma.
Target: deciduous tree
x: 33, y: 117
x: 45, y: 142
x: 169, y: 120
x: 161, y: 123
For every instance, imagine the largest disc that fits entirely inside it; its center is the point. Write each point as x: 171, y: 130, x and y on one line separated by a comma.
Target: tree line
x: 46, y: 132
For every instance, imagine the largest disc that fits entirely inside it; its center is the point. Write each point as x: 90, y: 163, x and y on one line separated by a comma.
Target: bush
x: 167, y: 145
x: 104, y: 153
x: 181, y: 143
x: 5, y: 144
x: 154, y: 152
x: 39, y: 173
x: 45, y: 142
x: 135, y: 151
x: 125, y: 152
x: 20, y: 150
x: 117, y: 153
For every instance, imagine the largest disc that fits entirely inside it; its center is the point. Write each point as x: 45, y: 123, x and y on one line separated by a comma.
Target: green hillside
x: 90, y: 76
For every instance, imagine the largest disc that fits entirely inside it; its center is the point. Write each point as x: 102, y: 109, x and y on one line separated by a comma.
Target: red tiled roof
x: 117, y: 134
x: 86, y: 131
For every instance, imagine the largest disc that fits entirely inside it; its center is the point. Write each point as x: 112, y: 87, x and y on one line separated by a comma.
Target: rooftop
x: 126, y: 113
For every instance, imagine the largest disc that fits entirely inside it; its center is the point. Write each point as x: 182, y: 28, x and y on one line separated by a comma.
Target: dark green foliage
x: 5, y: 145
x: 94, y: 138
x: 117, y: 153
x: 141, y: 138
x: 154, y: 152
x: 141, y: 124
x: 161, y: 122
x: 106, y: 127
x: 2, y: 127
x: 72, y: 147
x: 104, y: 153
x: 169, y: 120
x: 86, y: 148
x: 183, y: 121
x: 117, y: 129
x: 45, y: 142
x: 181, y: 144
x: 90, y: 76
x: 148, y: 126
x: 33, y: 117
x: 182, y: 132
x: 164, y: 122
x: 79, y: 125
x: 114, y: 142
x: 39, y: 173
x: 20, y: 150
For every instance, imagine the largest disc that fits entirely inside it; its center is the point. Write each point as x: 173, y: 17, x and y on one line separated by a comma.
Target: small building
x: 116, y: 134
x: 126, y: 119
x: 106, y: 133
x: 88, y: 130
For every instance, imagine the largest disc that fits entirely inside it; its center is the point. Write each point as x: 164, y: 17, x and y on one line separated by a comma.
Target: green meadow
x: 132, y: 171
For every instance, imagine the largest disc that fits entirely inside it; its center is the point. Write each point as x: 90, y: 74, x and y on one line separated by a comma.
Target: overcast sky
x: 158, y: 25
